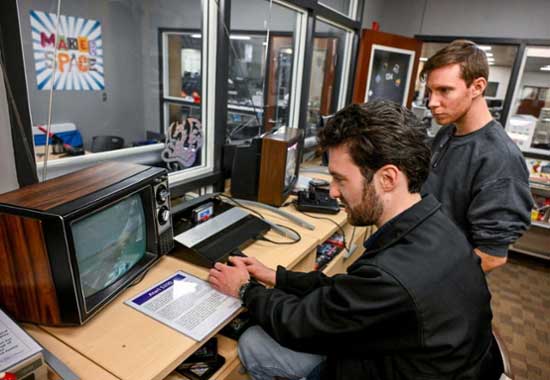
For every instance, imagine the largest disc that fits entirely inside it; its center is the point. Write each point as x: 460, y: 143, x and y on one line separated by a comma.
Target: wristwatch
x: 242, y: 290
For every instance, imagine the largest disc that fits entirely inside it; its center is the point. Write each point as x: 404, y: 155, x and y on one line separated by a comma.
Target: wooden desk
x: 122, y: 343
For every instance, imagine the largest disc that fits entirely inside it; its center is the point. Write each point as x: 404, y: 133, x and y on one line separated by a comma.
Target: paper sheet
x: 187, y: 304
x: 15, y: 344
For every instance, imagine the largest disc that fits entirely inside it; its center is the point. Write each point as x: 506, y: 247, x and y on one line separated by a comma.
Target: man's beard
x: 369, y: 210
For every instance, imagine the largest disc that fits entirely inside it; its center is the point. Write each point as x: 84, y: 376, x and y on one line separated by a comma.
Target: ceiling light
x: 538, y: 52
x: 196, y: 36
x: 239, y: 37
x: 484, y: 47
x: 545, y: 68
x: 423, y: 59
x: 489, y: 54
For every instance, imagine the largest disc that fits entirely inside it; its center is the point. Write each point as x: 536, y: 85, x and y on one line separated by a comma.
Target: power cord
x: 330, y: 220
x: 297, y: 235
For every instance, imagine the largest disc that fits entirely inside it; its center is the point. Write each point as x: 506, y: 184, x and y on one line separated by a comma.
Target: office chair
x: 502, y: 359
x: 105, y: 143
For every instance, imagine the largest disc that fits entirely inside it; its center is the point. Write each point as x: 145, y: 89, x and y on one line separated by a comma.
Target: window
x: 529, y: 121
x: 109, y: 63
x: 135, y: 80
x: 329, y: 72
x: 346, y: 7
x: 264, y: 72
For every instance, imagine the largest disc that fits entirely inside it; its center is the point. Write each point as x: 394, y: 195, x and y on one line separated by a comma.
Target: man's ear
x: 478, y: 86
x: 388, y: 176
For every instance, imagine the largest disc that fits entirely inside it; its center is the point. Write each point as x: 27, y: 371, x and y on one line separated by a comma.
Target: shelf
x: 234, y: 107
x: 539, y: 186
x: 545, y: 225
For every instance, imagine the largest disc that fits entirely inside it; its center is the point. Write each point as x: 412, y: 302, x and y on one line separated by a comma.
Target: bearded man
x: 398, y: 312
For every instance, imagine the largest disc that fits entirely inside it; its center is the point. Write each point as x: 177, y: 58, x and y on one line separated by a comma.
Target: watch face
x: 242, y: 290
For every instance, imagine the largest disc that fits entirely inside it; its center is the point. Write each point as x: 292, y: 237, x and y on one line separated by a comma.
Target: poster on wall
x: 389, y: 74
x: 73, y: 47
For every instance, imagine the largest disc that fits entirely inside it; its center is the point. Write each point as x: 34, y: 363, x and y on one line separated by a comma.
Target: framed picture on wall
x: 390, y: 72
x: 386, y: 66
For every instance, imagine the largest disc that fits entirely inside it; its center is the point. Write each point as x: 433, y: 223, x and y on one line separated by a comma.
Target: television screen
x: 109, y: 243
x: 291, y: 157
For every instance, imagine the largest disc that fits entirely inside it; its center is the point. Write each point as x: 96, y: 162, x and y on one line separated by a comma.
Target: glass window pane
x: 342, y: 6
x: 183, y: 64
x: 326, y: 73
x: 529, y: 122
x: 501, y: 60
x: 124, y: 73
x: 260, y: 67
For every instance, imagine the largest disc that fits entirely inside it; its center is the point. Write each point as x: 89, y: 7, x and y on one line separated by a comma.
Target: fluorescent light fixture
x: 489, y: 54
x: 239, y: 37
x: 538, y: 52
x: 545, y: 68
x: 423, y: 59
x: 490, y: 63
x: 196, y: 36
x: 484, y: 47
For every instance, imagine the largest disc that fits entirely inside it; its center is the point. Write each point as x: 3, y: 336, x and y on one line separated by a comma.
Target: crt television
x: 69, y: 245
x: 266, y: 169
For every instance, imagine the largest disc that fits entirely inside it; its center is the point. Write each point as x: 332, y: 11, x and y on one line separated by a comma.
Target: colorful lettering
x: 62, y: 44
x: 83, y: 44
x: 92, y: 47
x: 73, y: 44
x: 83, y: 63
x: 62, y: 60
x: 45, y: 40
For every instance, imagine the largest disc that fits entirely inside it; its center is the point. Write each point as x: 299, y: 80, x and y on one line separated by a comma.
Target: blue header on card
x: 157, y: 289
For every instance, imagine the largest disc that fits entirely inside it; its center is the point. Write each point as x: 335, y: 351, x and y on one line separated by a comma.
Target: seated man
x: 415, y: 305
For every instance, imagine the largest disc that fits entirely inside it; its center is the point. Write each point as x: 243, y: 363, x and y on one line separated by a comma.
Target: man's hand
x: 229, y: 279
x: 489, y: 262
x: 256, y: 269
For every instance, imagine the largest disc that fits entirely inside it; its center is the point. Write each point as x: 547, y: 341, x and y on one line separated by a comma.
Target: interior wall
x: 476, y: 18
x: 112, y: 111
x: 500, y: 74
x: 7, y: 162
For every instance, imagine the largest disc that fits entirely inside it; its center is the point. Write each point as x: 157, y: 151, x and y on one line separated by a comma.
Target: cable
x: 50, y: 102
x: 284, y: 242
x: 241, y: 205
x: 333, y: 222
x: 299, y: 237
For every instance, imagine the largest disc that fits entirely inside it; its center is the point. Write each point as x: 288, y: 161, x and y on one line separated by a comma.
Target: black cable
x: 284, y: 242
x: 333, y: 222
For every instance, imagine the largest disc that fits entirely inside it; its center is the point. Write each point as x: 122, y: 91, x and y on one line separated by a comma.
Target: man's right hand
x: 257, y: 270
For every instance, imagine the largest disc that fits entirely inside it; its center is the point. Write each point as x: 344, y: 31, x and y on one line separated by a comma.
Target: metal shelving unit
x: 536, y: 240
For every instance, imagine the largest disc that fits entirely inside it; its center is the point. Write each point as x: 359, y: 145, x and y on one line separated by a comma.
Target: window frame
x: 216, y: 18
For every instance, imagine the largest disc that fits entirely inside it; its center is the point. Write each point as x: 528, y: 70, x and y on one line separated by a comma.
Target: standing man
x: 477, y: 172
x: 398, y: 313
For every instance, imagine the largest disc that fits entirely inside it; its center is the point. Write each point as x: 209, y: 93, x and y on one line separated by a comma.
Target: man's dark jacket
x: 415, y: 305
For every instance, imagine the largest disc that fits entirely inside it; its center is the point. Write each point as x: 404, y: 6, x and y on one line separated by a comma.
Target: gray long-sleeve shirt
x: 482, y: 183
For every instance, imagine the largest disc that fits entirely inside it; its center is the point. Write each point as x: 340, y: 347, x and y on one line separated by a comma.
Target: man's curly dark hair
x: 378, y: 133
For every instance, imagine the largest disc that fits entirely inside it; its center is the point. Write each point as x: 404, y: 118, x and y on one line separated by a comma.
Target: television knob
x: 162, y: 194
x: 163, y: 215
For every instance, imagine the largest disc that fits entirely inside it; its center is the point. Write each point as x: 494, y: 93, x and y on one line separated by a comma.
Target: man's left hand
x: 229, y: 279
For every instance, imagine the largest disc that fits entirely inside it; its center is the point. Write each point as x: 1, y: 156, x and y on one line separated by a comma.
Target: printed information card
x: 187, y: 304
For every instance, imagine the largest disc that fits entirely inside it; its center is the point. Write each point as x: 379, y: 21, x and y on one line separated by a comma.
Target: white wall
x: 474, y: 18
x: 7, y: 162
x: 500, y: 74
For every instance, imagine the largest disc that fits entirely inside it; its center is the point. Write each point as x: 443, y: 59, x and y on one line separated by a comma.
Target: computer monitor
x: 267, y: 168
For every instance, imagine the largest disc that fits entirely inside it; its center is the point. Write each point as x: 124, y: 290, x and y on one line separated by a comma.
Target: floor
x: 521, y: 308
